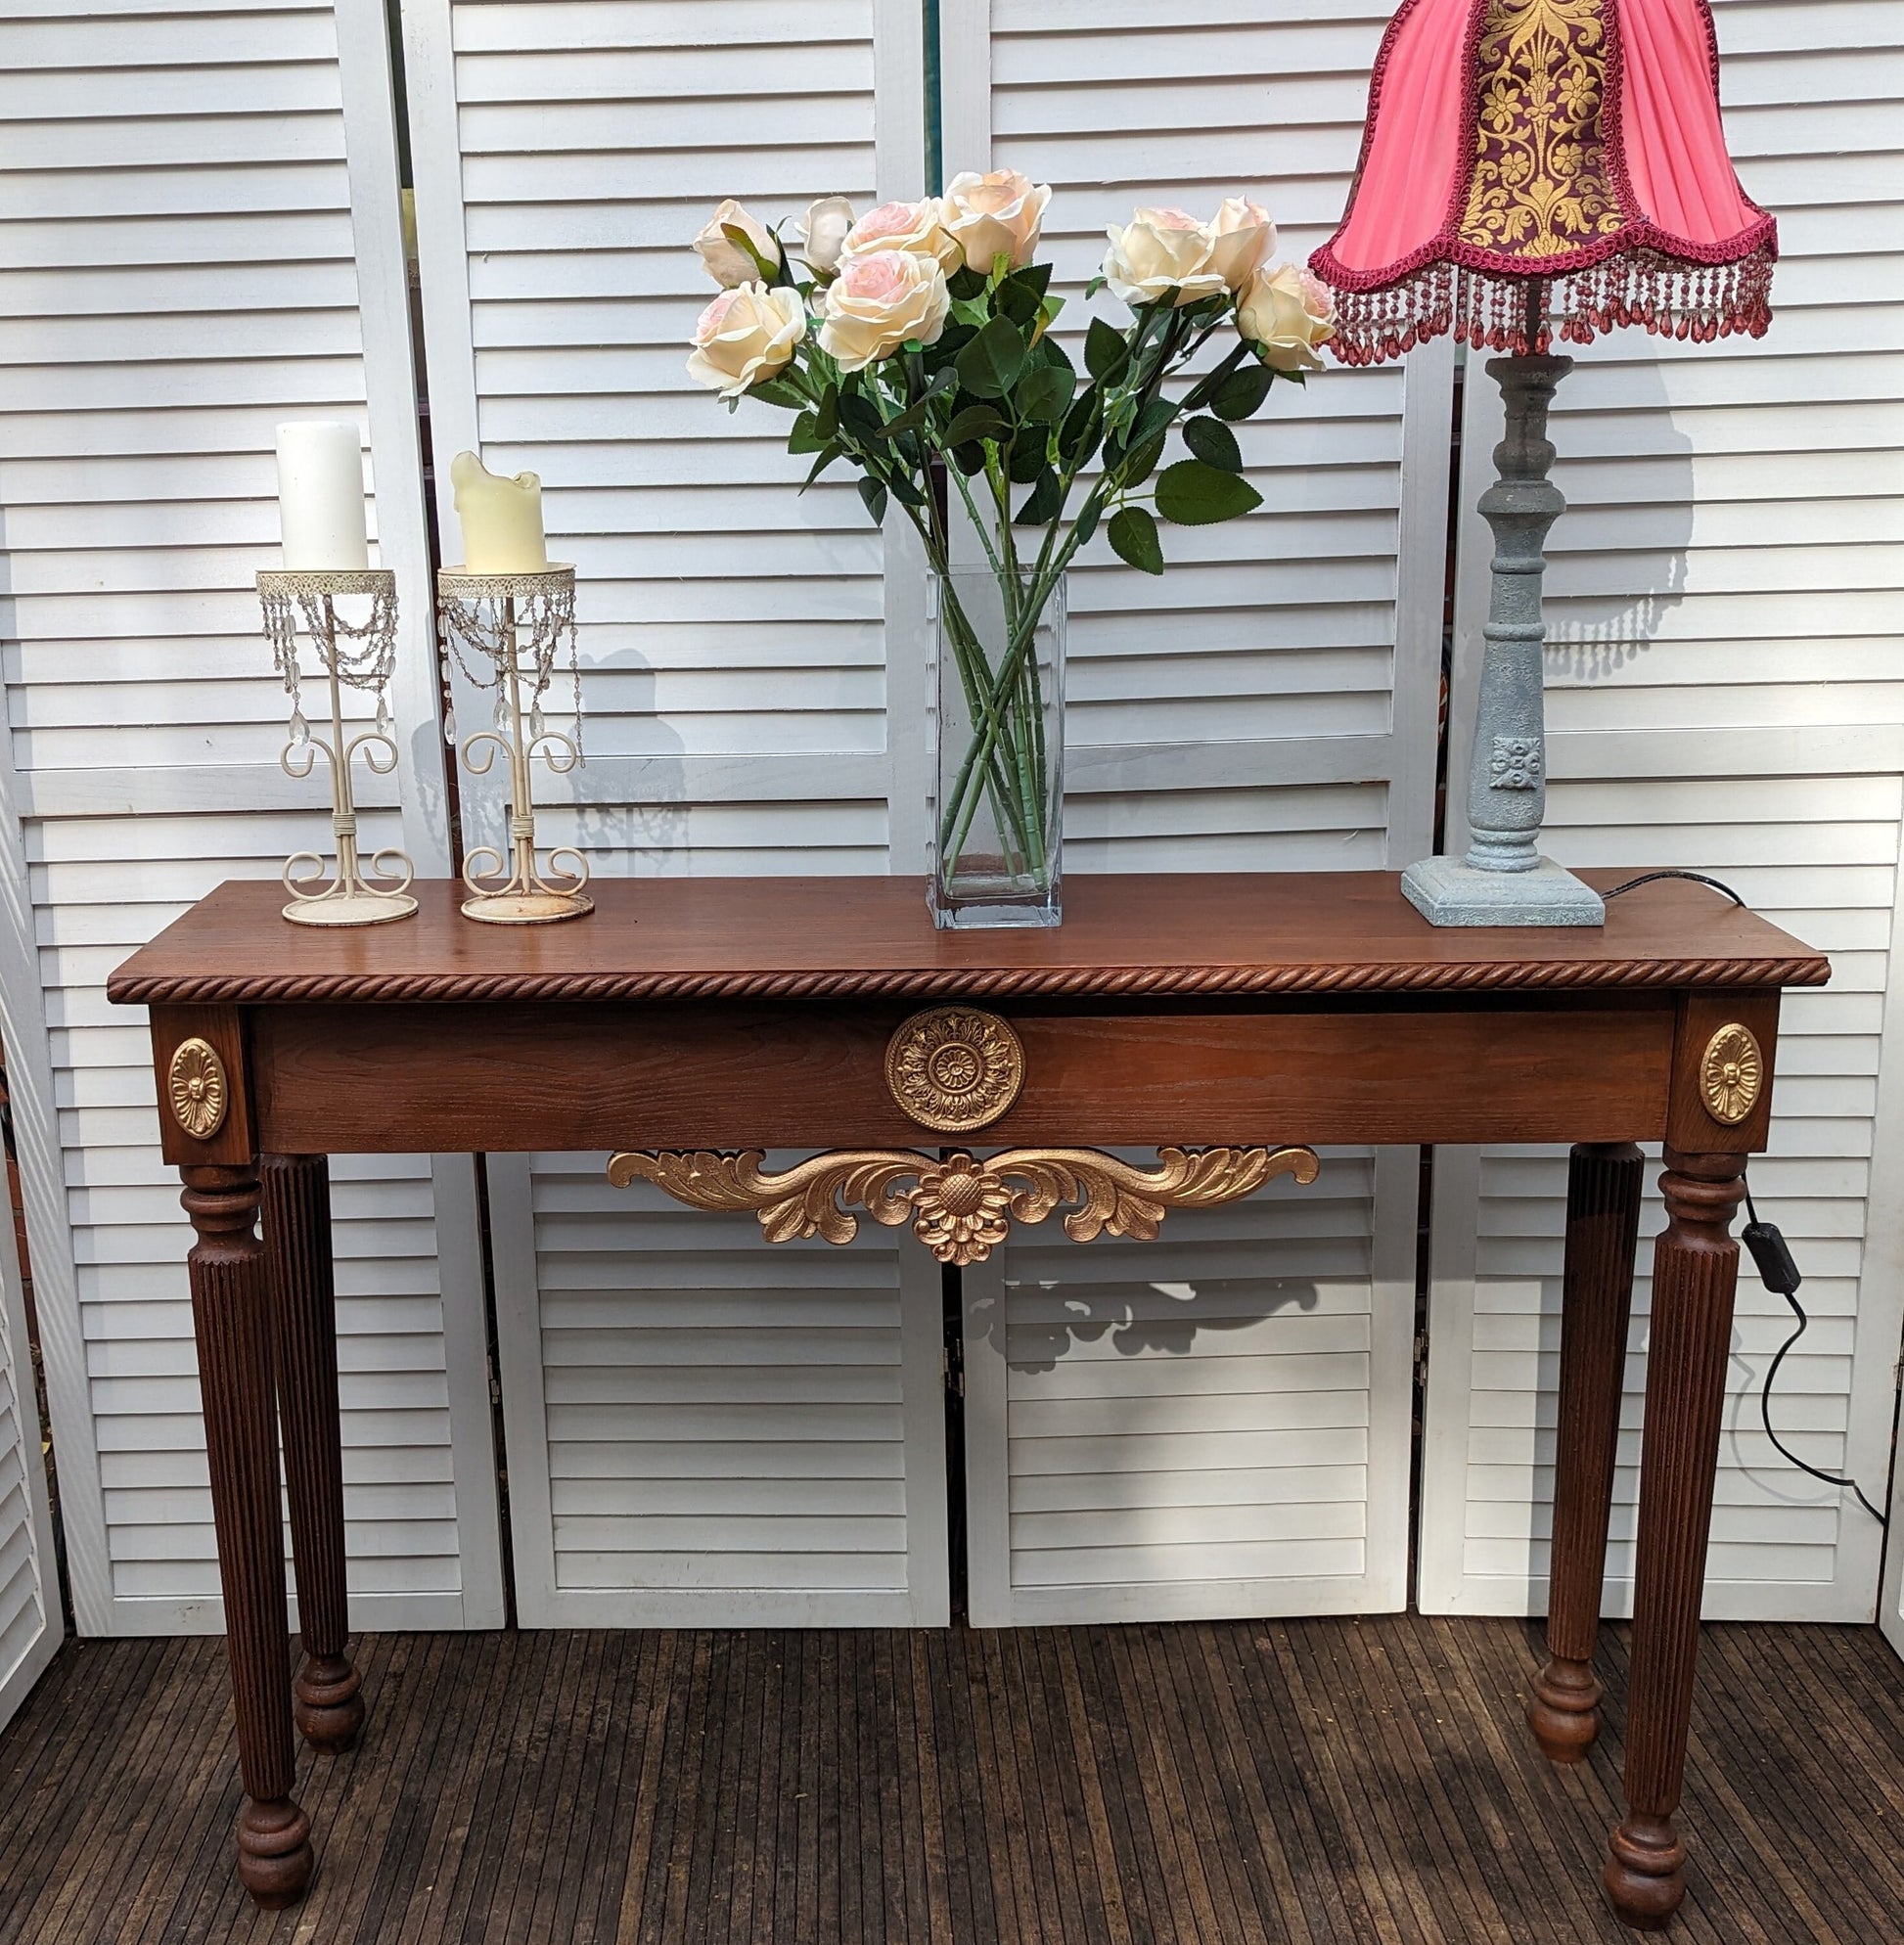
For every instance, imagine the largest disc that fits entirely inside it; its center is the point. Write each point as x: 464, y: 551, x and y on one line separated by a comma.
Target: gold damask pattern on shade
x: 1541, y: 185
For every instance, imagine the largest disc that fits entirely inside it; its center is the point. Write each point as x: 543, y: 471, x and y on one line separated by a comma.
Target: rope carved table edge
x: 961, y: 1208
x: 1514, y: 975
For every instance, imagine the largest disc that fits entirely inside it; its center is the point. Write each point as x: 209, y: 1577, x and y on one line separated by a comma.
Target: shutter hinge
x: 1421, y: 1358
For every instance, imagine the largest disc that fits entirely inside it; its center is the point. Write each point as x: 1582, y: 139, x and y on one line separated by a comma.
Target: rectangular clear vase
x: 998, y: 753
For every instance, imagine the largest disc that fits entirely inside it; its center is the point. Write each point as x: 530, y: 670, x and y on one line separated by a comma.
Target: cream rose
x: 1285, y: 313
x: 1242, y: 238
x: 993, y: 215
x: 878, y: 303
x: 745, y: 335
x: 726, y: 262
x: 1163, y: 254
x: 823, y: 233
x: 913, y: 227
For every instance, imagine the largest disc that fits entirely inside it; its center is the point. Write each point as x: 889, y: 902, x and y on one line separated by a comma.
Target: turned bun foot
x: 1563, y: 1710
x: 1645, y: 1877
x: 274, y: 1852
x: 326, y: 1703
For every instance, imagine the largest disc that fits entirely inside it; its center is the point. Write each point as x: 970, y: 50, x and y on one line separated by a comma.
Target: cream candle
x: 502, y: 519
x: 320, y: 495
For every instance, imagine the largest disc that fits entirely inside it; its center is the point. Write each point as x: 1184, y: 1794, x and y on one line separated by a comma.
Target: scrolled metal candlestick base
x: 349, y: 897
x: 481, y: 614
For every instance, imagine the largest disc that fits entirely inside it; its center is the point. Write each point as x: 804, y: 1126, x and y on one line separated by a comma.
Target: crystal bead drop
x: 300, y: 730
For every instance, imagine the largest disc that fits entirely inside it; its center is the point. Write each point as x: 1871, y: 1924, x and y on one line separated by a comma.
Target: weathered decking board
x: 1285, y: 1783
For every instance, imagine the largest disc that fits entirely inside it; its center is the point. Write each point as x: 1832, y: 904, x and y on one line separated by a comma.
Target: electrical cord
x: 1779, y: 1273
x: 1777, y: 1269
x: 1695, y: 877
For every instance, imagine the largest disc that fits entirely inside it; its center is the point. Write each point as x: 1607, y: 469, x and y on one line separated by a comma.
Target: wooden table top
x: 1123, y: 935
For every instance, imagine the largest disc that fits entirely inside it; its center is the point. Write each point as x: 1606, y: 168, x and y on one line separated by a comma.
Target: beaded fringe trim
x: 1693, y: 301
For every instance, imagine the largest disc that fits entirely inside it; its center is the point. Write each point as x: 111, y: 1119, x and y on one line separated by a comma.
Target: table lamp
x: 1534, y: 170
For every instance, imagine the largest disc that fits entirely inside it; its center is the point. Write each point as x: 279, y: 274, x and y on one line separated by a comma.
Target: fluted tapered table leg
x: 1603, y: 1222
x: 1695, y: 1273
x: 302, y: 1282
x: 228, y: 1314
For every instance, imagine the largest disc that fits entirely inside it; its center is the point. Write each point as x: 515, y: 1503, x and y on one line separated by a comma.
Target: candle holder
x: 355, y: 656
x: 505, y: 630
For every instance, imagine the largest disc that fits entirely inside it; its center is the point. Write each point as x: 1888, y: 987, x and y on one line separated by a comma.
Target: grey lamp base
x: 1449, y: 893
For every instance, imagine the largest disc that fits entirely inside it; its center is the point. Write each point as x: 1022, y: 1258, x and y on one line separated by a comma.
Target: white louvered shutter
x: 700, y: 1428
x: 178, y: 233
x: 1217, y: 1422
x: 30, y: 1625
x: 1724, y: 693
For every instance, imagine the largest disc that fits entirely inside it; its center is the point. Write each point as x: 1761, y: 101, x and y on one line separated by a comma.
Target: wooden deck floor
x: 1332, y: 1783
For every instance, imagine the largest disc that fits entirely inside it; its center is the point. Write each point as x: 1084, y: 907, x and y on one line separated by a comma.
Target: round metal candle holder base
x: 526, y: 908
x: 351, y: 908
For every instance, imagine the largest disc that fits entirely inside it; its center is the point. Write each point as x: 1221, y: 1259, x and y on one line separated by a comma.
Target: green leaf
x: 1105, y: 351
x: 1087, y: 520
x: 1155, y: 418
x: 1045, y: 395
x: 828, y: 454
x: 1027, y: 456
x: 777, y: 391
x: 976, y: 422
x: 1077, y: 435
x: 1037, y: 277
x: 965, y: 283
x: 990, y: 363
x: 1095, y: 285
x: 904, y: 421
x: 806, y: 435
x: 969, y: 459
x: 1214, y: 444
x: 826, y: 412
x: 1018, y: 300
x: 874, y: 495
x: 905, y: 489
x: 1243, y: 392
x: 1142, y: 462
x: 1133, y: 537
x: 947, y: 346
x: 860, y: 416
x: 1192, y: 494
x: 1044, y: 503
x: 739, y: 237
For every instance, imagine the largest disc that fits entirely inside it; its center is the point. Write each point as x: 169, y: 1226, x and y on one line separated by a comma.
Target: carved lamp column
x: 1533, y: 170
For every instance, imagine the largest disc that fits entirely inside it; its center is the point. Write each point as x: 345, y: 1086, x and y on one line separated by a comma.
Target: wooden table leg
x: 228, y: 1314
x: 1602, y: 1224
x: 1694, y: 1272
x: 303, y: 1309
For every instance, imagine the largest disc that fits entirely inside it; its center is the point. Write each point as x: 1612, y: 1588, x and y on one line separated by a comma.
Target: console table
x: 960, y: 1082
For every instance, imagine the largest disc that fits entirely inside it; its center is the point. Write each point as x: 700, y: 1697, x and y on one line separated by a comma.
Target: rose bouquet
x: 915, y: 343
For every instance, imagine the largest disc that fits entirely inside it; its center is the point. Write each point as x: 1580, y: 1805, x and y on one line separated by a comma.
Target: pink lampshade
x: 1573, y: 145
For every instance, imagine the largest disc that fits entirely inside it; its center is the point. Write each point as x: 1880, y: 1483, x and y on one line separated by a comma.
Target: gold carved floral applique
x: 1540, y: 186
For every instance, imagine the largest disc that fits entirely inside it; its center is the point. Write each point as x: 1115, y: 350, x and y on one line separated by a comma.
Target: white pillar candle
x: 502, y: 519
x: 320, y: 494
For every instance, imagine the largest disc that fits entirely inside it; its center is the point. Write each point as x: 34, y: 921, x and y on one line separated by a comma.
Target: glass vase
x: 998, y: 753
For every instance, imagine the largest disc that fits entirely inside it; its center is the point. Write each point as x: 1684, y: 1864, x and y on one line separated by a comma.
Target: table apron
x: 365, y: 1079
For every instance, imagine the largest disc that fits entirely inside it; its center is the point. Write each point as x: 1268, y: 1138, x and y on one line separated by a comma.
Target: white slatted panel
x: 1725, y: 694
x: 175, y: 277
x: 782, y: 1461
x: 30, y: 1625
x: 1217, y: 1422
